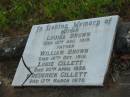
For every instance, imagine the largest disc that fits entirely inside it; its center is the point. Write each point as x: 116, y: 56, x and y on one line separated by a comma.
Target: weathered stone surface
x: 122, y: 42
x: 12, y: 47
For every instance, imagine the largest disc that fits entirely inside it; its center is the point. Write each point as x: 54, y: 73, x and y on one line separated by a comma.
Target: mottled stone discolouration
x: 122, y: 42
x: 12, y: 47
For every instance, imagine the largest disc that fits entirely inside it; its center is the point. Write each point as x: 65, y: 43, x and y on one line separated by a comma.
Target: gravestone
x: 72, y: 53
